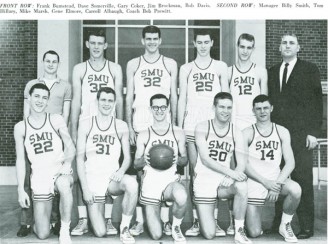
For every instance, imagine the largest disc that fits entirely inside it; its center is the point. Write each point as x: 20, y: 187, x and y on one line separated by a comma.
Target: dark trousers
x: 303, y: 175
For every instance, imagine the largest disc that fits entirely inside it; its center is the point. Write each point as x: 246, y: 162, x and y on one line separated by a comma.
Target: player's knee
x: 254, y: 232
x: 99, y: 232
x: 295, y: 190
x: 155, y: 235
x: 209, y: 235
x: 241, y: 188
x: 64, y: 184
x: 130, y: 185
x: 42, y: 234
x: 180, y: 196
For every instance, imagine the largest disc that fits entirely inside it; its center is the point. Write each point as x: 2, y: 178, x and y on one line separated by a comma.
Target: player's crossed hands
x: 238, y: 176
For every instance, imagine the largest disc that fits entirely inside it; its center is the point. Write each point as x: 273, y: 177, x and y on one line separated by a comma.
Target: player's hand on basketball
x: 311, y: 142
x: 238, y: 176
x: 132, y: 137
x: 181, y: 161
x: 146, y: 159
x: 272, y: 196
x: 227, y: 181
x: 23, y: 199
x: 88, y: 197
x: 117, y: 176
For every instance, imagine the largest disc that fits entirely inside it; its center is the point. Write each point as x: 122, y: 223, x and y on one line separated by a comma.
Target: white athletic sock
x: 139, y: 216
x: 176, y: 221
x: 194, y: 213
x: 108, y: 210
x: 239, y: 223
x: 216, y: 214
x: 286, y: 218
x: 126, y: 219
x: 82, y: 210
x: 64, y: 226
x: 165, y: 214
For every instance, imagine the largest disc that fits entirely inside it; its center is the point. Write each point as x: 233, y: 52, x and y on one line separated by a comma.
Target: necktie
x: 284, y: 77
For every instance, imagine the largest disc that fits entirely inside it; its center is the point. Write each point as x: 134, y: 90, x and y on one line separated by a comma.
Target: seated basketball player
x: 217, y: 141
x: 99, y: 145
x: 268, y: 143
x: 43, y: 136
x: 162, y: 185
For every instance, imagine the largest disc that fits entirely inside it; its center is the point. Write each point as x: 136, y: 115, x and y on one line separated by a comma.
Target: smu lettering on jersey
x: 44, y: 147
x: 150, y: 79
x: 92, y: 81
x: 103, y: 149
x: 244, y: 87
x: 220, y: 149
x: 168, y: 138
x: 265, y: 153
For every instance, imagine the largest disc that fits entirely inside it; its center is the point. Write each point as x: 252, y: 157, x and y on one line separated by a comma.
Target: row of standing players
x: 151, y: 74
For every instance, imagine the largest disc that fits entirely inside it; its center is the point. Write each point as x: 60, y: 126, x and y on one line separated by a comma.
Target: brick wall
x: 18, y: 62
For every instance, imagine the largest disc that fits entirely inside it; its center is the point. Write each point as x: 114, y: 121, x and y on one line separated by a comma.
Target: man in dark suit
x: 295, y: 90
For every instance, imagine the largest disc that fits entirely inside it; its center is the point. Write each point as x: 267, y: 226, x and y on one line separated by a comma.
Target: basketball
x: 161, y: 156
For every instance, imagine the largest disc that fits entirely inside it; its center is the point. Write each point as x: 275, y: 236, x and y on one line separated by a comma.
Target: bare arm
x: 123, y: 133
x: 183, y: 77
x: 66, y: 110
x: 19, y: 131
x: 80, y: 156
x: 173, y: 68
x: 69, y: 148
x: 223, y: 75
x: 263, y: 79
x: 182, y: 159
x: 76, y: 100
x: 139, y: 160
x: 118, y: 77
x: 131, y: 67
x: 229, y: 75
x: 287, y: 153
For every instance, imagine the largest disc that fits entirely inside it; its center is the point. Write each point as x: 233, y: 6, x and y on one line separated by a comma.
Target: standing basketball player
x: 217, y: 142
x: 167, y: 188
x: 199, y: 81
x: 147, y: 75
x: 247, y: 80
x: 99, y: 146
x: 50, y: 150
x: 59, y: 103
x: 268, y: 143
x: 88, y: 78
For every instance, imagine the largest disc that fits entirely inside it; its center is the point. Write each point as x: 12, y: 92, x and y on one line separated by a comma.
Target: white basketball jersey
x: 150, y: 79
x: 168, y: 138
x: 244, y: 87
x: 44, y: 147
x: 103, y: 149
x: 92, y: 81
x: 220, y: 149
x: 265, y: 153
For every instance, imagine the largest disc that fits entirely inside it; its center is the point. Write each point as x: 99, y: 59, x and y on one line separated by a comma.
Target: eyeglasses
x: 156, y: 108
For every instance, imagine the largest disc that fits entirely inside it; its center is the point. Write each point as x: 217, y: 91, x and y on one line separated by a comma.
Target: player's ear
x: 142, y: 41
x: 298, y: 47
x: 280, y: 48
x: 87, y: 44
x: 212, y: 42
x: 271, y: 108
x: 160, y: 41
x: 105, y: 46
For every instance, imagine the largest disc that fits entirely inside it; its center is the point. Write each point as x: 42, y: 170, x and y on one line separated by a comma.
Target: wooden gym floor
x: 10, y: 212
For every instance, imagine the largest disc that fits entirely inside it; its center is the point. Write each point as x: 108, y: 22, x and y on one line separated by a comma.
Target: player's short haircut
x: 289, y: 34
x: 96, y: 32
x: 107, y: 90
x: 159, y: 96
x: 39, y: 86
x: 50, y: 52
x: 221, y: 96
x: 247, y: 37
x: 261, y: 99
x: 202, y: 32
x: 151, y: 29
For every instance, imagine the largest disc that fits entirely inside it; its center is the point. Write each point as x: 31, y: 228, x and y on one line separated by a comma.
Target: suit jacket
x: 299, y: 106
